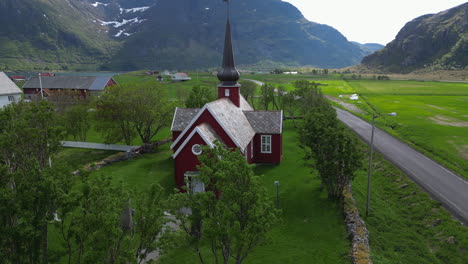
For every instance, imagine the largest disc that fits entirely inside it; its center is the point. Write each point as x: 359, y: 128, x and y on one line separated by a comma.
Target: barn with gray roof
x: 78, y: 86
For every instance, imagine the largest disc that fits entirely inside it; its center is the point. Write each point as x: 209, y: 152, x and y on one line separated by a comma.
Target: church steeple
x: 228, y: 75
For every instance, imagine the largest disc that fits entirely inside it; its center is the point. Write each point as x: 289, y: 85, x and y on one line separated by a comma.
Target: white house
x: 9, y: 92
x: 180, y: 76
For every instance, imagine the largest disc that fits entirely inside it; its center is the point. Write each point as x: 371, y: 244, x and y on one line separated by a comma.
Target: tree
x: 77, y: 121
x: 248, y: 89
x: 113, y: 117
x: 149, y: 218
x: 334, y: 150
x: 90, y: 222
x: 233, y: 216
x: 29, y: 138
x: 268, y: 96
x: 29, y: 133
x: 149, y: 111
x: 199, y: 96
x: 126, y: 111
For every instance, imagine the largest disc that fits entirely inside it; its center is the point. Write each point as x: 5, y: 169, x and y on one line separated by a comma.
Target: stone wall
x: 357, y: 230
x: 121, y: 156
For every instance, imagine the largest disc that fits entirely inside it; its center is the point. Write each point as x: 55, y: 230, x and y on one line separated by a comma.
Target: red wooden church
x: 230, y: 120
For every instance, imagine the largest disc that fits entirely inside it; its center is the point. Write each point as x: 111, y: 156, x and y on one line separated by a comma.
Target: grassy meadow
x: 405, y: 224
x: 432, y: 116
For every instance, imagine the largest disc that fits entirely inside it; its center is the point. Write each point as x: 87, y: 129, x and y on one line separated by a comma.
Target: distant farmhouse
x: 80, y: 87
x: 180, y: 77
x: 9, y: 92
x: 229, y: 120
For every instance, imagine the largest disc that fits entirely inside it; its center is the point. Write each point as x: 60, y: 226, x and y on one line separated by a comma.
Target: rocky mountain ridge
x: 431, y: 42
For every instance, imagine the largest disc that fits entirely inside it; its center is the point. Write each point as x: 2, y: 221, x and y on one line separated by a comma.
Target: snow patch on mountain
x: 122, y: 31
x: 134, y: 10
x: 118, y: 24
x: 98, y: 3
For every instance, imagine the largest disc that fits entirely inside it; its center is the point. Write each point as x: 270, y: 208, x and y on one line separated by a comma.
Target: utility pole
x: 369, y: 171
x: 40, y: 85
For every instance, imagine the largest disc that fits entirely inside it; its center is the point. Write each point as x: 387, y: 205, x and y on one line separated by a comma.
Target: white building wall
x: 4, y: 100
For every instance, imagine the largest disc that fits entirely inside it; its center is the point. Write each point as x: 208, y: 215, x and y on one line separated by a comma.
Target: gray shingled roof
x: 233, y: 120
x: 265, y: 122
x: 93, y: 83
x: 241, y: 123
x: 209, y: 132
x: 244, y: 105
x: 182, y: 118
x: 7, y: 86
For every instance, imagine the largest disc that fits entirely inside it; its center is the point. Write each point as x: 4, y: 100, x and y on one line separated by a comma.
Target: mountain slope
x: 52, y: 33
x: 438, y: 41
x: 172, y: 34
x: 369, y: 47
x: 189, y: 33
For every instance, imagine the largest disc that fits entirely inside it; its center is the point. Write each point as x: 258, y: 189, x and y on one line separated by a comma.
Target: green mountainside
x: 169, y: 34
x: 190, y: 33
x: 53, y: 34
x: 434, y: 42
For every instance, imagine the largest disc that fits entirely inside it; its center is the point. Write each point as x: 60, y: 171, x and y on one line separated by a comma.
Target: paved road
x: 87, y: 145
x: 445, y: 186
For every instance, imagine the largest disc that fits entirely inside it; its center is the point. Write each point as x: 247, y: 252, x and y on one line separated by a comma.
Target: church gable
x: 204, y: 116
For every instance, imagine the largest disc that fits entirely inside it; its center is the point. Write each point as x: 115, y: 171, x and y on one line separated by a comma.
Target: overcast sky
x: 369, y: 21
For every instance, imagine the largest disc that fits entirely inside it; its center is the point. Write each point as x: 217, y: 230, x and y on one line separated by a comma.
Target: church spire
x: 228, y: 74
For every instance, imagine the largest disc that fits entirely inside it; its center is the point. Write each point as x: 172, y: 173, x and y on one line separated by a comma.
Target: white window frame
x: 11, y: 98
x: 195, y: 151
x: 226, y: 92
x: 265, y: 144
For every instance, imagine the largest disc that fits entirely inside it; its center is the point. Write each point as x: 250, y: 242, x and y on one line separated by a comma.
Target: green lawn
x: 312, y: 228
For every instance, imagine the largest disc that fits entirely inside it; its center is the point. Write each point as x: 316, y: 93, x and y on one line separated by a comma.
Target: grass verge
x: 405, y: 224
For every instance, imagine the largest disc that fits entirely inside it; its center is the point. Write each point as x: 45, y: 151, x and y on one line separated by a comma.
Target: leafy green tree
x: 126, y: 111
x: 248, y: 89
x: 29, y: 133
x: 149, y: 110
x: 29, y: 139
x: 77, y: 121
x: 233, y: 216
x: 199, y: 96
x: 334, y: 150
x: 28, y: 200
x: 91, y: 222
x: 267, y: 96
x: 112, y: 116
x: 150, y: 219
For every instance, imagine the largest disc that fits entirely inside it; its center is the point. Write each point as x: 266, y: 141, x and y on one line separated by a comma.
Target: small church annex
x: 230, y: 120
